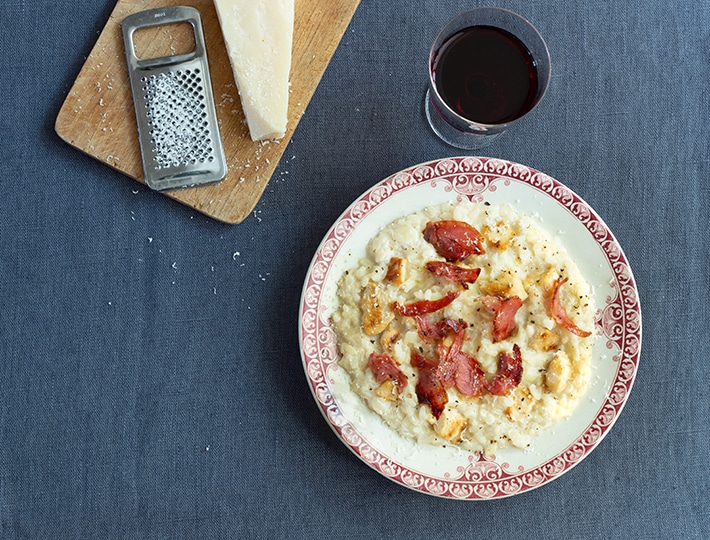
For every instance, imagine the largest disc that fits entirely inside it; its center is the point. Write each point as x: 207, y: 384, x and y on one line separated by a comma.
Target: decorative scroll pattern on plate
x: 619, y: 321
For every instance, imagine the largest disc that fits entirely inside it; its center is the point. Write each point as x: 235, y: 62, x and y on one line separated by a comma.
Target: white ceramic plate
x: 450, y: 472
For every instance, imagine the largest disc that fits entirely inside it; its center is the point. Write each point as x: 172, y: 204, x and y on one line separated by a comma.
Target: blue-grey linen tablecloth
x: 150, y: 378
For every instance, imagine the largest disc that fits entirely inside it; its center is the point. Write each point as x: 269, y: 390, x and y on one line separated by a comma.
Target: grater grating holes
x: 177, y: 119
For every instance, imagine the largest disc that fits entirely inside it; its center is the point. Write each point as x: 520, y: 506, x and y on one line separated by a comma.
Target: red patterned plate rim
x: 451, y: 472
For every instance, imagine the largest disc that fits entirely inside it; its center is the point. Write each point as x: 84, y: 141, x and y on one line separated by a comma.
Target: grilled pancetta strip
x: 422, y: 307
x: 559, y: 313
x: 384, y: 368
x: 453, y: 272
x: 504, y: 311
x: 509, y: 374
x: 453, y: 240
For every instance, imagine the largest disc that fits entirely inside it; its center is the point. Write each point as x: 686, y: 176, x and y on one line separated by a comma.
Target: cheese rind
x: 259, y: 37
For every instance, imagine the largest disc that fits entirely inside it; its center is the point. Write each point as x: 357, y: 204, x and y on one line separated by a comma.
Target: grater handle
x: 159, y: 17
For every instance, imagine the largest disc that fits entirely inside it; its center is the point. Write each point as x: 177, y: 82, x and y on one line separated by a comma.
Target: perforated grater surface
x: 177, y: 123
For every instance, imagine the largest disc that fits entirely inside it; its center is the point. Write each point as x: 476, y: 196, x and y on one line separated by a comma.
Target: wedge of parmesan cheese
x: 259, y: 37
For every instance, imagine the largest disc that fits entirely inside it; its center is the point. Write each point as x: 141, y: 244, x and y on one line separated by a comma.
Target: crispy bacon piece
x: 504, y: 311
x: 454, y: 367
x: 453, y: 240
x: 422, y: 307
x: 384, y: 367
x: 430, y: 390
x: 420, y: 361
x: 509, y: 374
x: 453, y: 272
x: 431, y: 332
x: 559, y: 313
x: 470, y: 378
x: 448, y: 356
x: 459, y: 369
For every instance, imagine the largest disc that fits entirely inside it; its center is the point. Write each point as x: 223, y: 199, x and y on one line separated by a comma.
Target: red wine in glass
x: 486, y: 75
x: 488, y: 68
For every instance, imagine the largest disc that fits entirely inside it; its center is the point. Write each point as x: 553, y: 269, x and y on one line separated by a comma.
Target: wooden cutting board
x: 98, y: 118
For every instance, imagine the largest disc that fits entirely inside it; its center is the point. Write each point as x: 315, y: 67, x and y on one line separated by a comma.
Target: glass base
x: 451, y: 135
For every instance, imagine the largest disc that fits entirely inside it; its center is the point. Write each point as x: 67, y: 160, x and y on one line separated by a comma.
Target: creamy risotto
x: 466, y: 324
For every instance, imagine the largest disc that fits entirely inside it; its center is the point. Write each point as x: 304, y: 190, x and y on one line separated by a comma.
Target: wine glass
x: 488, y: 68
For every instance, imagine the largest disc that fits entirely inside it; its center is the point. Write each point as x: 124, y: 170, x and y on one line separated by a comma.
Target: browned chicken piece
x: 389, y: 337
x: 523, y: 402
x: 451, y: 425
x: 396, y: 270
x: 499, y: 235
x: 506, y: 285
x: 545, y: 340
x: 558, y: 373
x: 388, y: 390
x: 376, y: 313
x: 548, y: 279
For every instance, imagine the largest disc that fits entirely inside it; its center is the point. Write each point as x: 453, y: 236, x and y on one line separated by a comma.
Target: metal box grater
x: 177, y: 122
